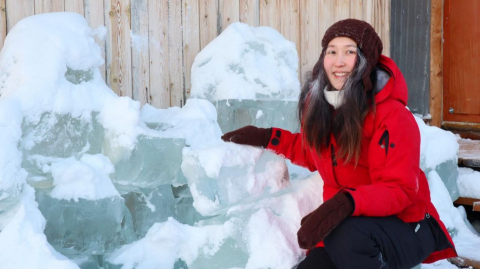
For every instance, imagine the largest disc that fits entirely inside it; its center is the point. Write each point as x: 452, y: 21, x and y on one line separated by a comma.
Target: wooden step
x: 469, y: 156
x: 474, y: 202
x: 465, y: 263
x: 469, y: 153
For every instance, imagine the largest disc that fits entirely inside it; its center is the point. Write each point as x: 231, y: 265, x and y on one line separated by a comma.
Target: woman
x: 358, y: 134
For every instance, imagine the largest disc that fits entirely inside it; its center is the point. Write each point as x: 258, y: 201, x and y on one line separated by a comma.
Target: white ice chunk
x: 234, y: 114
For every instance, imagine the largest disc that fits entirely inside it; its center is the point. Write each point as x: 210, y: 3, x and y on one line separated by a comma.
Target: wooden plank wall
x: 151, y: 44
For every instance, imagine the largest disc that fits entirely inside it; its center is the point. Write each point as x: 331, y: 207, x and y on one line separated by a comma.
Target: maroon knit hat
x: 367, y: 41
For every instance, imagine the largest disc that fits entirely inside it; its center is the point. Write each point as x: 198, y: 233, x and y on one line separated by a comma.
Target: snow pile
x: 465, y: 238
x: 468, y: 183
x: 437, y: 146
x: 438, y: 152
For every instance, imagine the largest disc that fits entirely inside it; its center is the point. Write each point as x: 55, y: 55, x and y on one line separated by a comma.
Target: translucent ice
x: 448, y: 172
x: 78, y: 76
x: 439, y: 150
x: 148, y: 206
x: 186, y: 213
x: 261, y: 113
x: 196, y: 122
x: 153, y: 161
x: 56, y: 136
x: 223, y: 176
x: 250, y: 235
x: 86, y: 227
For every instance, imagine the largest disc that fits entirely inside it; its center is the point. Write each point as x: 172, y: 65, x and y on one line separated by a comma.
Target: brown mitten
x: 318, y: 224
x: 249, y: 135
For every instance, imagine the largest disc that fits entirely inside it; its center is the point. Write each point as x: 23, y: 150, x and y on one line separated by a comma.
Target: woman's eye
x: 330, y: 52
x: 351, y: 52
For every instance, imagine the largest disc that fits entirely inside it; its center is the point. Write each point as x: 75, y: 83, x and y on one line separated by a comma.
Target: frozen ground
x: 92, y: 180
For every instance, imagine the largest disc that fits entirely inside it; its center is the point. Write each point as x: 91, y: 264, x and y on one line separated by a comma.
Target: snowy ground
x: 161, y: 188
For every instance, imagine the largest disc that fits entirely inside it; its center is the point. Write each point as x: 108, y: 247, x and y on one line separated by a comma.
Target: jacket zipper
x: 384, y: 141
x: 334, y: 160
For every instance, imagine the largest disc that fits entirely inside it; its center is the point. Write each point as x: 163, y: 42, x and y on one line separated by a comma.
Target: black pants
x: 371, y: 242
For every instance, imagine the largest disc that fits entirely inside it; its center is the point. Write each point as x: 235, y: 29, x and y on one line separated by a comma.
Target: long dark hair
x: 319, y: 120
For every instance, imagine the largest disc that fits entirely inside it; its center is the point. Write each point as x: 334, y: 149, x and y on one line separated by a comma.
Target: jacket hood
x: 396, y: 87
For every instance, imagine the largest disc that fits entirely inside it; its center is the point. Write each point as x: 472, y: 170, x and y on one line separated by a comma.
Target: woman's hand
x: 318, y: 224
x: 249, y: 135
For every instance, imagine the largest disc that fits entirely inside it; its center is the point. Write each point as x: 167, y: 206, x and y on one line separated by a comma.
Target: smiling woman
x: 358, y: 134
x: 340, y: 59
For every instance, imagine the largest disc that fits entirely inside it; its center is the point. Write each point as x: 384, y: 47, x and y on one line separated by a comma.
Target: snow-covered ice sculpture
x: 250, y: 75
x: 65, y: 133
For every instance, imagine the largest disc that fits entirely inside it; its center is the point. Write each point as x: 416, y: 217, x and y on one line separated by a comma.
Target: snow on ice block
x: 244, y: 62
x: 220, y: 177
x: 167, y: 243
x: 251, y: 236
x: 235, y: 114
x: 55, y: 136
x: 439, y: 153
x: 153, y: 161
x: 85, y: 227
x: 250, y: 75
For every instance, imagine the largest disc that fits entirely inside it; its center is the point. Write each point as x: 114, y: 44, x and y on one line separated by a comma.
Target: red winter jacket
x: 387, y: 180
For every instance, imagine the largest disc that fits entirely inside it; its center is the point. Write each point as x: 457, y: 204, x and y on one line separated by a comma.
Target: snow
x: 94, y: 183
x: 468, y: 183
x: 22, y: 242
x: 260, y: 64
x: 437, y: 146
x: 39, y: 51
x: 196, y: 122
x: 168, y: 241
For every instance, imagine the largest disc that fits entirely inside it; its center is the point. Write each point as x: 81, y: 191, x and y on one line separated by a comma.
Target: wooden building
x: 151, y: 44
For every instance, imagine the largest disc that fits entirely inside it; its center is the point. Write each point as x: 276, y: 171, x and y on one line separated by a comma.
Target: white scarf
x: 335, y: 98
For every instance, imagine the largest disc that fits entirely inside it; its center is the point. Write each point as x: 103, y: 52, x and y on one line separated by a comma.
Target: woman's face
x: 339, y: 61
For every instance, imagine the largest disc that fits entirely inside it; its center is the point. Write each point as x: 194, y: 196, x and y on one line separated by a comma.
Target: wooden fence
x: 151, y: 44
